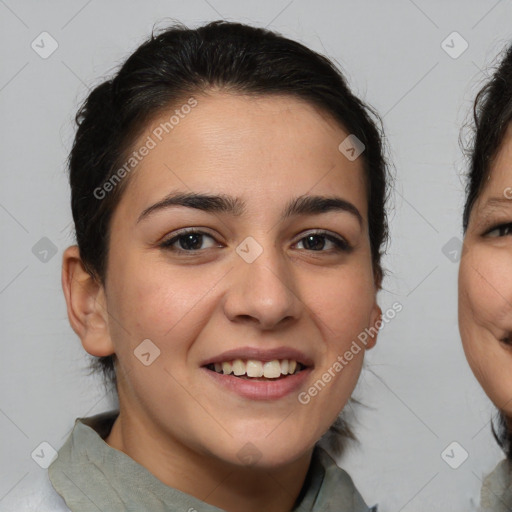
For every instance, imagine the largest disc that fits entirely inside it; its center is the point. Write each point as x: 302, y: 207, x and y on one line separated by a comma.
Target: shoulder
x: 337, y: 485
x: 34, y: 493
x: 496, y: 492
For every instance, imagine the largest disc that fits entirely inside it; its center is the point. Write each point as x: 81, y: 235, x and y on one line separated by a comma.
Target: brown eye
x: 317, y: 242
x: 188, y: 241
x: 498, y: 231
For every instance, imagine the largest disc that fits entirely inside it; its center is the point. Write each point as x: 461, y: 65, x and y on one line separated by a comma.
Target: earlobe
x: 375, y: 325
x: 86, y: 305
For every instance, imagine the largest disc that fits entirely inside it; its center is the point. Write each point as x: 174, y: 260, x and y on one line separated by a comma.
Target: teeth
x: 272, y: 369
x: 238, y: 367
x: 254, y: 368
x: 226, y: 368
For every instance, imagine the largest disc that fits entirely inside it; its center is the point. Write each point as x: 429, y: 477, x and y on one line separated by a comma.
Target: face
x: 254, y: 282
x: 485, y: 283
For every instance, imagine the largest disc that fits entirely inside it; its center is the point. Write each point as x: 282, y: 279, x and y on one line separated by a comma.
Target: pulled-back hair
x: 169, y: 68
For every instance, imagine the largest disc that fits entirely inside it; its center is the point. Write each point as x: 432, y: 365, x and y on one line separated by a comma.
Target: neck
x: 223, y: 485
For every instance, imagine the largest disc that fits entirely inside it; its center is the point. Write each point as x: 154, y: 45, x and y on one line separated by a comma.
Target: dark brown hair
x: 180, y: 62
x: 492, y: 114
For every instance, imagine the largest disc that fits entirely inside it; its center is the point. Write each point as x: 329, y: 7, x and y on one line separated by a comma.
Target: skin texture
x: 174, y: 420
x: 485, y: 291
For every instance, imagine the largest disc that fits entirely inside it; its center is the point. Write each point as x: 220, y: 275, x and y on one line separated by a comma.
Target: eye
x: 501, y: 230
x: 317, y: 241
x: 189, y: 241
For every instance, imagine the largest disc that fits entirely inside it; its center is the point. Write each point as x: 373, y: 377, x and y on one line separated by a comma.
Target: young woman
x: 485, y: 276
x: 228, y: 194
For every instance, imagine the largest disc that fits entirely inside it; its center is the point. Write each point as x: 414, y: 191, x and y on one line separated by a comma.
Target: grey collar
x: 92, y: 476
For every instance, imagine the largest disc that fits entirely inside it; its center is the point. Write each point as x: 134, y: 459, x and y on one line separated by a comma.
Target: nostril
x: 507, y: 340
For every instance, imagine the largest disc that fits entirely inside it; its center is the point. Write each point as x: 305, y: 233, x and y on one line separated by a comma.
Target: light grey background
x: 420, y: 393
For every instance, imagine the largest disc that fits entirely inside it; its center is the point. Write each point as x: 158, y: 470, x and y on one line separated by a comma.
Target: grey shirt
x: 496, y: 492
x: 92, y: 476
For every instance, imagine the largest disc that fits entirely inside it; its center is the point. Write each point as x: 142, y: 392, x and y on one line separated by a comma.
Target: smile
x: 258, y: 374
x: 254, y: 368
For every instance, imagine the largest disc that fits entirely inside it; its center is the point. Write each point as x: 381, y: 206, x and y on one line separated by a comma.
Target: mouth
x: 257, y: 374
x: 253, y: 369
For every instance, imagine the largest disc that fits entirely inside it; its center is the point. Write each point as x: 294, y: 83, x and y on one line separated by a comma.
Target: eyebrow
x: 222, y: 203
x: 496, y: 203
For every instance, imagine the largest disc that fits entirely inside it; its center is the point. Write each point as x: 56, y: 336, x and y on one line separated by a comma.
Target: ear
x: 86, y: 305
x: 375, y: 325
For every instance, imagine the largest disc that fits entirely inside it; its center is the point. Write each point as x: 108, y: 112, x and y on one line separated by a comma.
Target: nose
x: 262, y: 292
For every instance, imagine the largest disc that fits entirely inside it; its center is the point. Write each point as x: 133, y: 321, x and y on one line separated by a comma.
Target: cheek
x: 485, y: 315
x: 150, y: 300
x: 485, y: 289
x: 341, y: 308
x: 345, y: 303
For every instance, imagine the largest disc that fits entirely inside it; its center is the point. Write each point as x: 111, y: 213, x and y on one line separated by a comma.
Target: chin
x: 263, y: 453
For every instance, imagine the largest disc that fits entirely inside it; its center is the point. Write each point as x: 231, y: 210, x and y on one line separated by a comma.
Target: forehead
x: 499, y: 177
x: 256, y: 147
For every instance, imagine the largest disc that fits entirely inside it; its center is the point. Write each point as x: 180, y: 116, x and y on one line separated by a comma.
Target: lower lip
x: 261, y: 389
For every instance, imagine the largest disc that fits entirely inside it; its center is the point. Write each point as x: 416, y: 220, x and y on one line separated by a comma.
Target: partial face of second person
x: 485, y: 282
x: 198, y: 300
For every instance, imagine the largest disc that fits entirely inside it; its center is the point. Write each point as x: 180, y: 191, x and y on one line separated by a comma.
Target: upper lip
x: 259, y: 354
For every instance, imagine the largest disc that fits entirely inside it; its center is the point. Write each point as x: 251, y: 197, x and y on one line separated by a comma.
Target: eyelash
x: 341, y: 245
x: 500, y: 227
